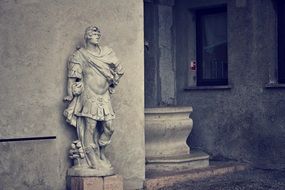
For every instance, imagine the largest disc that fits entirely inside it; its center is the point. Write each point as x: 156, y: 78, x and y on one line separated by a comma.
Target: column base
x: 196, y: 159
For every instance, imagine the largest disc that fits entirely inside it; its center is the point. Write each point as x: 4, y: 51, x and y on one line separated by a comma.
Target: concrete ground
x: 253, y: 179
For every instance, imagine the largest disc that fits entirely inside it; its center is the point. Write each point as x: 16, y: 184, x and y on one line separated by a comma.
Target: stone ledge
x: 275, y: 86
x: 196, y: 159
x: 155, y: 180
x: 193, y: 156
x: 221, y: 87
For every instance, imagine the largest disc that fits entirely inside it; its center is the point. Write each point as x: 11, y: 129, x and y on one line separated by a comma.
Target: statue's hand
x: 111, y: 90
x: 68, y: 98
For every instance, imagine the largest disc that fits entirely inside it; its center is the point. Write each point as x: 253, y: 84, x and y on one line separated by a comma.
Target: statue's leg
x: 92, y: 149
x: 89, y: 131
x: 105, y: 137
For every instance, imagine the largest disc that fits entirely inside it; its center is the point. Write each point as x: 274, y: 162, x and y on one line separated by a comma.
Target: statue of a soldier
x: 93, y: 73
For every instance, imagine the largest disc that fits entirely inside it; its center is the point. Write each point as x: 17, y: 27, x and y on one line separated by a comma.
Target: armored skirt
x: 85, y: 67
x: 94, y: 106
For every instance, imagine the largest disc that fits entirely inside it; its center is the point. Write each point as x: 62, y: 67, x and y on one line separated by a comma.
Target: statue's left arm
x: 116, y: 69
x: 119, y: 72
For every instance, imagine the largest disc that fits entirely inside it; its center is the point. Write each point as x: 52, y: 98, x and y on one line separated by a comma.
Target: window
x: 281, y: 41
x: 211, y: 39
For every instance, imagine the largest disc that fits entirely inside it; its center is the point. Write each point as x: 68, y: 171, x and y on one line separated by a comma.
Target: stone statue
x: 93, y: 73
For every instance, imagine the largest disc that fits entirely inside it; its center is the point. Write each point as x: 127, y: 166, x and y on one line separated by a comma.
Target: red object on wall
x: 193, y: 65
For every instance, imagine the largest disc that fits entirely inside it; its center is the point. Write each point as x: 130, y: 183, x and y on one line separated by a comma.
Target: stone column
x: 166, y: 56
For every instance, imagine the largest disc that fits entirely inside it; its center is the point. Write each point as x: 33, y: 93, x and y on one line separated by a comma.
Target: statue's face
x: 95, y: 38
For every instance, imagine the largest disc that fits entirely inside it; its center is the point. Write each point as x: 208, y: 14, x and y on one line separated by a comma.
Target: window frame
x: 199, y: 47
x: 281, y: 42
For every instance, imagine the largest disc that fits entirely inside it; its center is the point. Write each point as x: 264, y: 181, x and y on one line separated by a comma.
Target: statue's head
x: 92, y: 35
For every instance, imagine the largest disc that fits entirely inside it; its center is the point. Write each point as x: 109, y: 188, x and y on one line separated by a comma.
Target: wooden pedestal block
x: 114, y: 182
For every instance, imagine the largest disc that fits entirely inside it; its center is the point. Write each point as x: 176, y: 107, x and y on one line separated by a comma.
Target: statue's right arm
x: 74, y: 73
x: 69, y: 96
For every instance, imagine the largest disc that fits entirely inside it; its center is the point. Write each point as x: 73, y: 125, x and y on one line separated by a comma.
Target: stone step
x: 177, y: 163
x: 155, y: 179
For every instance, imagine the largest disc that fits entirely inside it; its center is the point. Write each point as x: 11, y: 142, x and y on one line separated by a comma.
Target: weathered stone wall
x: 160, y: 85
x: 247, y: 121
x: 36, y: 39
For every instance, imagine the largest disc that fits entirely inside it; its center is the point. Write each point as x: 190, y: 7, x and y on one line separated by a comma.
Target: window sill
x: 274, y: 85
x: 223, y: 87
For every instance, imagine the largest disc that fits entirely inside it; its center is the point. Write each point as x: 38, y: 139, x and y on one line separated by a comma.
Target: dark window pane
x: 212, y: 46
x: 281, y: 41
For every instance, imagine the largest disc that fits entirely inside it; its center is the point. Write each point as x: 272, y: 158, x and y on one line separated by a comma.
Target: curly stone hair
x: 90, y: 31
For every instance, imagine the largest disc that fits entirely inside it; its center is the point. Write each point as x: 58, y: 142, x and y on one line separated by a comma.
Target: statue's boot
x: 103, y: 157
x: 92, y: 157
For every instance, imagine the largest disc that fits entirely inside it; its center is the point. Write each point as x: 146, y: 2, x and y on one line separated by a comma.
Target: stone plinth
x: 114, y: 182
x: 166, y: 131
x: 164, y: 179
x: 86, y: 172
